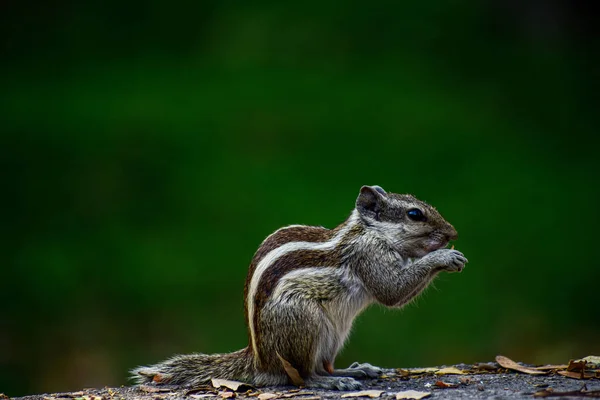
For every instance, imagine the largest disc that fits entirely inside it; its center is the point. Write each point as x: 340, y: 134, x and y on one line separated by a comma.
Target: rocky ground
x: 480, y: 381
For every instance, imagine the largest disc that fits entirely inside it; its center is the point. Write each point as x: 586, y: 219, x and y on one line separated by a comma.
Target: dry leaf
x: 510, y: 364
x: 402, y: 372
x: 551, y: 367
x: 417, y: 371
x: 267, y: 396
x: 295, y: 393
x: 444, y: 385
x: 412, y: 394
x: 450, y: 371
x: 233, y: 385
x: 575, y: 375
x: 465, y: 380
x: 291, y: 372
x: 364, y: 393
x: 576, y: 365
x: 593, y: 360
x: 227, y: 395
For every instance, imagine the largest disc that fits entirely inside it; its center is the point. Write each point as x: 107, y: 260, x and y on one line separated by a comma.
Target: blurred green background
x: 148, y: 148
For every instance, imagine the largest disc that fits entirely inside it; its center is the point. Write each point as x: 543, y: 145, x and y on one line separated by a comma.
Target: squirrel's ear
x: 370, y: 200
x: 379, y: 189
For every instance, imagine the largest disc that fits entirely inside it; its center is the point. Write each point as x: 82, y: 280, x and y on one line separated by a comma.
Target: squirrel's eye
x: 416, y: 215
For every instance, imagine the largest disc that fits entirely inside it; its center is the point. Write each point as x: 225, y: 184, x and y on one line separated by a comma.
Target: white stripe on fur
x: 275, y: 254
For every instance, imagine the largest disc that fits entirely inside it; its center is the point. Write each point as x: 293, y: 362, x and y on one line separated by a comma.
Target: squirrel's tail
x: 198, y: 369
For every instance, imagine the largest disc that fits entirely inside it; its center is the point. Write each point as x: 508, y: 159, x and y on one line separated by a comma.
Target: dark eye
x: 416, y: 215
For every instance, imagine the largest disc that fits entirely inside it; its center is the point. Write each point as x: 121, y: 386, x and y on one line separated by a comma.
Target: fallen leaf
x: 233, y: 385
x: 465, y: 380
x: 412, y: 394
x: 402, y: 372
x: 444, y: 385
x: 227, y: 395
x: 364, y: 393
x: 594, y: 360
x: 291, y: 372
x: 575, y: 375
x: 267, y: 396
x: 551, y: 367
x: 450, y: 371
x: 417, y: 371
x: 576, y: 365
x: 296, y: 393
x: 510, y: 364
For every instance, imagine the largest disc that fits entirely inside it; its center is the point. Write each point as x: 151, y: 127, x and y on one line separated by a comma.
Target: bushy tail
x: 193, y: 370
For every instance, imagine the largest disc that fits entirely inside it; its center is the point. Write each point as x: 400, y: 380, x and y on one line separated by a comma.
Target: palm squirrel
x: 306, y: 285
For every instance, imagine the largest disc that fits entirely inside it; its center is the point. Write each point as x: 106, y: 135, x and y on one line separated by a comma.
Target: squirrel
x: 306, y: 284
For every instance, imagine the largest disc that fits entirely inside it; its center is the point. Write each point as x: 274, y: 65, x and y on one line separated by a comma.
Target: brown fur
x: 315, y: 234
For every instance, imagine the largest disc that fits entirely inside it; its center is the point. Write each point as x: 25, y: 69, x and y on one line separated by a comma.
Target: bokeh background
x: 147, y: 149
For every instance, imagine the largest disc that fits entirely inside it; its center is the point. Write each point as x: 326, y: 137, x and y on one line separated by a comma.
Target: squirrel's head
x: 412, y: 226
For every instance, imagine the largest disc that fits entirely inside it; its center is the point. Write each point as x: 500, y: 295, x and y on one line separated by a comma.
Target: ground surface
x: 483, y: 381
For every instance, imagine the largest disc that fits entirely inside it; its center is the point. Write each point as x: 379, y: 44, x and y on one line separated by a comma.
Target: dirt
x: 495, y: 384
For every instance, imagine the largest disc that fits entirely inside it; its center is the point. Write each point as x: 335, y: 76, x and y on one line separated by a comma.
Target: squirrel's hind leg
x: 303, y: 336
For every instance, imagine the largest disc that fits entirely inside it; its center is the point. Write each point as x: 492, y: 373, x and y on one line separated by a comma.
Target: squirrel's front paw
x: 447, y: 260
